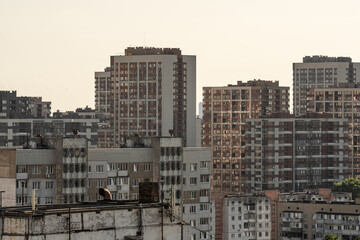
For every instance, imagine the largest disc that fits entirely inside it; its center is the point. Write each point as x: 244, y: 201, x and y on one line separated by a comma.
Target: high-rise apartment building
x: 342, y: 101
x: 13, y: 106
x: 102, y: 91
x: 290, y: 153
x: 225, y: 112
x: 321, y: 72
x: 15, y: 133
x: 152, y: 91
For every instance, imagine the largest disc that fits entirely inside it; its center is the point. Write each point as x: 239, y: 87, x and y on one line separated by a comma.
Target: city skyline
x: 52, y: 49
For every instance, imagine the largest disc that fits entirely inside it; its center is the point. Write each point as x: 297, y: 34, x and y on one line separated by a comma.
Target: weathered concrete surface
x: 91, y: 224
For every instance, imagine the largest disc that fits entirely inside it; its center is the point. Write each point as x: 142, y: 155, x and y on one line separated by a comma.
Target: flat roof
x: 75, y: 208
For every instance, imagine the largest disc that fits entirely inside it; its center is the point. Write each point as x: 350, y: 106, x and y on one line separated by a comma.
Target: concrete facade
x: 117, y: 220
x: 321, y: 72
x: 13, y: 106
x: 14, y: 133
x: 341, y: 102
x: 225, y: 111
x: 246, y: 217
x: 152, y: 91
x: 185, y: 172
x: 294, y: 153
x: 314, y: 220
x: 7, y: 177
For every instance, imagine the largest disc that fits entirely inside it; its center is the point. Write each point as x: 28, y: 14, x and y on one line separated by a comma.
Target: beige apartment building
x: 296, y: 220
x: 321, y: 72
x: 225, y: 112
x: 151, y: 91
x: 341, y: 102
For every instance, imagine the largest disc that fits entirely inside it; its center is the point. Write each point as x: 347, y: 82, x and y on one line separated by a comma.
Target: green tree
x: 331, y: 237
x: 357, y: 238
x: 348, y: 185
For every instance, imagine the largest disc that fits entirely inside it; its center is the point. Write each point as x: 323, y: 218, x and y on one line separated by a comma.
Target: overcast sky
x: 52, y: 48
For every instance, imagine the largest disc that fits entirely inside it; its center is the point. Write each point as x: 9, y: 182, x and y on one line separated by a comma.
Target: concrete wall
x: 196, y: 155
x: 191, y: 101
x: 91, y: 225
x: 7, y: 177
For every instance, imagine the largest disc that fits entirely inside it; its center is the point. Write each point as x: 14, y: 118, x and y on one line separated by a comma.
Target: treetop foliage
x: 348, y: 185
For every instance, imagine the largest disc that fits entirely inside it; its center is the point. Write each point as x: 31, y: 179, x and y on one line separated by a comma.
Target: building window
x: 147, y: 167
x: 49, y: 185
x: 89, y: 169
x: 135, y: 183
x: 192, y: 209
x: 20, y: 183
x: 49, y: 170
x: 135, y: 168
x: 193, y: 223
x: 122, y: 181
x: 204, y: 164
x: 35, y: 170
x: 204, y: 192
x: 111, y: 181
x: 112, y: 166
x: 204, y: 221
x: 19, y: 200
x: 204, y: 178
x: 193, y: 236
x: 99, y: 183
x: 49, y: 200
x: 36, y: 185
x: 193, y: 167
x: 204, y: 207
x: 122, y: 166
x: 21, y: 169
x: 193, y: 181
x: 99, y: 168
x: 192, y: 195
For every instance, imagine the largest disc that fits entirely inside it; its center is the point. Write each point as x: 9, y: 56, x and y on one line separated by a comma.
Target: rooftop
x: 76, y: 207
x: 319, y: 58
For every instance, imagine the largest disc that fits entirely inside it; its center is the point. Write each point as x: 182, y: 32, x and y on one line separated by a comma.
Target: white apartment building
x: 246, y: 217
x: 184, y: 172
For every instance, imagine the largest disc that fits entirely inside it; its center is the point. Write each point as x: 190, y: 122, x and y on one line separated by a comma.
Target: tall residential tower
x: 321, y: 72
x: 152, y: 92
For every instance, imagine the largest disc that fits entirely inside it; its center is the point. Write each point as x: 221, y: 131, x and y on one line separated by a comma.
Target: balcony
x: 123, y: 173
x: 20, y: 176
x: 204, y: 199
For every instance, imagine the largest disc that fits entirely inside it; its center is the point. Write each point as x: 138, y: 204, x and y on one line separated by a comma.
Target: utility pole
x: 162, y: 209
x: 69, y: 222
x: 182, y: 230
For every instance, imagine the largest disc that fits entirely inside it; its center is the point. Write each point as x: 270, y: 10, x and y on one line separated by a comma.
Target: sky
x: 52, y: 48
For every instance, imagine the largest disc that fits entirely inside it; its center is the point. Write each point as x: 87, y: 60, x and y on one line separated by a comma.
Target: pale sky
x: 52, y: 48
